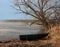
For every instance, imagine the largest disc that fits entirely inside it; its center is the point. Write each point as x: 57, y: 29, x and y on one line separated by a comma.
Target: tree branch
x: 51, y: 8
x: 26, y: 12
x: 34, y: 4
x: 33, y: 10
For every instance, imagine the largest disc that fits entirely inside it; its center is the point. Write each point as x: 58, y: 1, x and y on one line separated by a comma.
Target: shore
x: 37, y: 43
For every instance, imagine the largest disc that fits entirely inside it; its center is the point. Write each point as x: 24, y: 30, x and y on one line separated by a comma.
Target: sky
x: 7, y: 12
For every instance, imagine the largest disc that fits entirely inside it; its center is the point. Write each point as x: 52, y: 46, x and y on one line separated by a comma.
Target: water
x: 12, y: 30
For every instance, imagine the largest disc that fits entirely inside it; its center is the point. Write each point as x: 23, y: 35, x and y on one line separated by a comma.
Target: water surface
x: 12, y: 30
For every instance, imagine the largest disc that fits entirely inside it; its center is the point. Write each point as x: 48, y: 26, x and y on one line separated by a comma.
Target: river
x: 12, y: 30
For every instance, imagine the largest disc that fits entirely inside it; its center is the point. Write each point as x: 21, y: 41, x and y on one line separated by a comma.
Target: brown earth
x: 37, y: 43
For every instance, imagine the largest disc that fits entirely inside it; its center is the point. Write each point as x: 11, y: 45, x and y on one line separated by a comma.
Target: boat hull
x: 33, y: 37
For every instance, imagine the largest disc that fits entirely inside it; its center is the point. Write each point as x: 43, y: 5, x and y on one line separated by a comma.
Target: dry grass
x: 55, y: 32
x: 38, y: 43
x: 55, y: 36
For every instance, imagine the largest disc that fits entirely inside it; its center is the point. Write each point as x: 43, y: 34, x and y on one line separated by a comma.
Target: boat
x: 31, y: 37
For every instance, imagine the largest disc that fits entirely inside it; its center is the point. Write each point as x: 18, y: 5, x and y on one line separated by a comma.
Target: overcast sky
x: 7, y: 12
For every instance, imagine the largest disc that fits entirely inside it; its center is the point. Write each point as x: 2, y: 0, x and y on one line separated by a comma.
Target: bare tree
x: 41, y: 10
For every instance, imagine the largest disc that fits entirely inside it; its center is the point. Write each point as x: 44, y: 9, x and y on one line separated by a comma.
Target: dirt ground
x: 37, y: 43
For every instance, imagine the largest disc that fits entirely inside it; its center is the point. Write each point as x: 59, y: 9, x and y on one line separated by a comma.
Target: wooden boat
x: 33, y: 36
